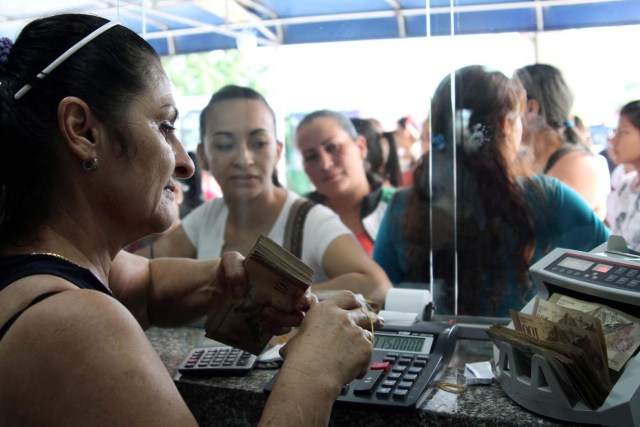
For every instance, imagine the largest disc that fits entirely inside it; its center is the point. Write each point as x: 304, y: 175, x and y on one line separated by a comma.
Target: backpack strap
x: 294, y: 229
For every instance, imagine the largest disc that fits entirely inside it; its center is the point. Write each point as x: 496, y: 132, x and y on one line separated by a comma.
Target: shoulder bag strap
x: 294, y: 229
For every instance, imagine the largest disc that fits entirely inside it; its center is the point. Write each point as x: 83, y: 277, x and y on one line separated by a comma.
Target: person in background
x: 366, y: 129
x: 623, y: 210
x: 490, y: 222
x: 87, y: 107
x: 554, y: 146
x: 583, y: 131
x: 240, y: 148
x: 382, y: 156
x: 425, y: 135
x: 333, y: 157
x: 407, y: 136
x: 618, y: 173
x: 390, y: 163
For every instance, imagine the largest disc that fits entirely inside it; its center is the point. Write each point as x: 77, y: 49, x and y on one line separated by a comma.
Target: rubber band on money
x: 451, y: 387
x: 370, y: 316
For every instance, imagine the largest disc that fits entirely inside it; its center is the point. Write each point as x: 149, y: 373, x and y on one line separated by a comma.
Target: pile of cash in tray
x: 586, y: 344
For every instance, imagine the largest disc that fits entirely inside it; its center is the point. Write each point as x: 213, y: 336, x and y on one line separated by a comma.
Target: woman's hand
x: 232, y: 277
x: 279, y: 322
x: 334, y: 342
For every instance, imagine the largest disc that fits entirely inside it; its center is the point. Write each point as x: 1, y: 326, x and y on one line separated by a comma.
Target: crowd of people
x: 498, y: 175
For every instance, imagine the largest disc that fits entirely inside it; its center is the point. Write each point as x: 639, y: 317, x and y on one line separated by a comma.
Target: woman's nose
x: 243, y: 156
x: 184, y: 164
x: 325, y: 161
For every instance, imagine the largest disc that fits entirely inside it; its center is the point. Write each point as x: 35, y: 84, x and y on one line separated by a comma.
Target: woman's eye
x: 223, y: 146
x: 310, y: 157
x: 332, y: 148
x: 167, y: 128
x: 259, y: 144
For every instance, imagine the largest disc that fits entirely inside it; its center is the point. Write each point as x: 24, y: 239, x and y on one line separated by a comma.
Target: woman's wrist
x: 322, y: 385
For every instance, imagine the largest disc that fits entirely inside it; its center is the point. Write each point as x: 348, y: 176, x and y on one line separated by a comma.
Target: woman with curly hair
x: 470, y: 223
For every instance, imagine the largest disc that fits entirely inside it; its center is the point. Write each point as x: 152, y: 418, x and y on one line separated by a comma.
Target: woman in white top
x: 239, y: 147
x: 623, y: 205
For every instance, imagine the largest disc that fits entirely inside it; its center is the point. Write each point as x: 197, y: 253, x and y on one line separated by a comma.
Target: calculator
x: 405, y: 361
x: 217, y: 361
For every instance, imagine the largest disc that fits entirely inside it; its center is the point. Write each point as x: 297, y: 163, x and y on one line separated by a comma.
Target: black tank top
x: 15, y: 267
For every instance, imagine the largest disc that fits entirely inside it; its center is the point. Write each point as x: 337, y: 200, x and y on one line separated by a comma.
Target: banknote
x: 571, y: 364
x: 275, y: 278
x: 568, y: 316
x: 590, y: 341
x: 621, y: 330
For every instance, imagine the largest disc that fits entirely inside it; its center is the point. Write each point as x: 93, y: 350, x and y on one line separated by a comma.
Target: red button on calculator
x: 381, y: 366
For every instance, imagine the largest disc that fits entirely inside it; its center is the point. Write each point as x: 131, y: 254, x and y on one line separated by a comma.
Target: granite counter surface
x: 238, y: 400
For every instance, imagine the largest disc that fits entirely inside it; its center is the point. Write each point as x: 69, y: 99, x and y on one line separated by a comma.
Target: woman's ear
x: 361, y: 142
x: 505, y: 124
x: 78, y: 127
x: 279, y: 148
x: 533, y: 106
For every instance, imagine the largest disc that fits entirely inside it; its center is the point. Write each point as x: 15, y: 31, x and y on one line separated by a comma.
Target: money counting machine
x: 610, y: 275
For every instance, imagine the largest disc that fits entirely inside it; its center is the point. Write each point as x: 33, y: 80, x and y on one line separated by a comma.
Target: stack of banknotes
x: 275, y: 278
x: 586, y: 344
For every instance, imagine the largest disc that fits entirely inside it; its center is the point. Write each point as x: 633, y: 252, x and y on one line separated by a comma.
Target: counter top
x: 238, y: 400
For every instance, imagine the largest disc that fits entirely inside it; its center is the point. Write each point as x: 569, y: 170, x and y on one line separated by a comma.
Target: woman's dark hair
x: 343, y: 121
x: 385, y: 170
x: 491, y: 215
x: 546, y: 84
x: 232, y: 92
x: 366, y: 129
x: 392, y: 169
x: 632, y: 112
x: 107, y: 73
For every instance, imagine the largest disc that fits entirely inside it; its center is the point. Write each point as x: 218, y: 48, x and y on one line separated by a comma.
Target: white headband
x: 73, y: 49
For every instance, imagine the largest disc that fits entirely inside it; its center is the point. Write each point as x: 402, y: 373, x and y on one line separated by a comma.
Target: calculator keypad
x: 396, y: 381
x: 217, y: 360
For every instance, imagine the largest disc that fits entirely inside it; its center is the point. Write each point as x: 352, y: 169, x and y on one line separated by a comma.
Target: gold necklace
x: 55, y: 255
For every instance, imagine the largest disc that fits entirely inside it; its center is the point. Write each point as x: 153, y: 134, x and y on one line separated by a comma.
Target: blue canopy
x: 188, y: 26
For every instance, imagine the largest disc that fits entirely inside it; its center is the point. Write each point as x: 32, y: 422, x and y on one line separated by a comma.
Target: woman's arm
x: 578, y: 224
x: 350, y: 268
x: 173, y: 291
x: 333, y: 345
x: 95, y: 360
x: 174, y: 243
x: 176, y: 291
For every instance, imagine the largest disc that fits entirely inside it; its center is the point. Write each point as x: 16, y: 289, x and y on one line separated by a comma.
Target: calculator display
x: 416, y: 344
x: 575, y: 263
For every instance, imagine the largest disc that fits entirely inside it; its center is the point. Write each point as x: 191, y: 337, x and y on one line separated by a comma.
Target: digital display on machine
x: 602, y: 268
x: 408, y: 343
x: 575, y: 263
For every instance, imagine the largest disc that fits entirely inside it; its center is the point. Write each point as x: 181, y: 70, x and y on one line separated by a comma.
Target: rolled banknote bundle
x: 275, y: 277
